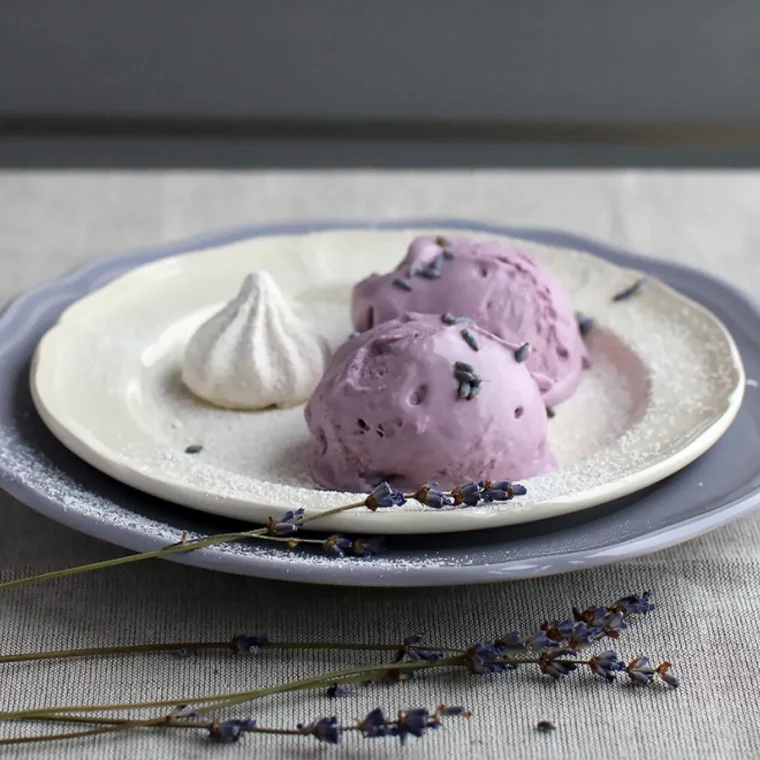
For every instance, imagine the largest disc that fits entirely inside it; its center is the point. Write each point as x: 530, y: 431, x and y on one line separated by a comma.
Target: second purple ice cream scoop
x: 503, y: 289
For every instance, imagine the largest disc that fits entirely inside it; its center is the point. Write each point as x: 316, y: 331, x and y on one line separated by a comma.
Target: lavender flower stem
x: 93, y: 719
x: 184, y: 545
x: 198, y: 543
x: 209, y: 645
x: 350, y: 675
x: 110, y: 725
x: 113, y: 727
x: 58, y: 737
x: 219, y: 701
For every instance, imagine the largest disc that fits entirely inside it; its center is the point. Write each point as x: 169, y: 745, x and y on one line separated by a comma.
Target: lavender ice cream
x: 504, y: 290
x: 418, y: 399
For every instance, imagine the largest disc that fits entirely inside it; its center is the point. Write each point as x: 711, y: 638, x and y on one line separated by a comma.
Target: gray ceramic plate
x: 720, y: 486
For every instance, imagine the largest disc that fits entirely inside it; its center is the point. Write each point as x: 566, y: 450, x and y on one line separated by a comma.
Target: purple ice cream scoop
x: 504, y: 290
x: 414, y: 400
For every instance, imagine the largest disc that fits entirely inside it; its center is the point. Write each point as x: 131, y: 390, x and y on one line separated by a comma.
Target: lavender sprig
x: 557, y: 661
x: 276, y: 530
x: 572, y: 634
x: 411, y: 722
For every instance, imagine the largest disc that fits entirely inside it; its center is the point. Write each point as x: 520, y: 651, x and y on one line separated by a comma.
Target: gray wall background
x: 143, y: 62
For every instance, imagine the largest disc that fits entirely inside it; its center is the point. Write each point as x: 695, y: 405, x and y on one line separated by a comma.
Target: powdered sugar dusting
x: 664, y: 372
x: 32, y: 468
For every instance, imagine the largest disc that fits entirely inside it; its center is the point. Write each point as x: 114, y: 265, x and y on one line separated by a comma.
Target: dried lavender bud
x: 551, y: 664
x: 248, y: 643
x: 336, y: 690
x: 467, y: 494
x: 436, y: 500
x: 640, y: 671
x: 522, y: 353
x: 550, y: 413
x: 451, y: 710
x: 624, y: 295
x: 410, y: 651
x: 383, y: 496
x: 402, y: 284
x: 448, y: 318
x: 606, y: 665
x: 323, y: 730
x: 538, y: 640
x: 585, y: 324
x: 288, y: 524
x: 337, y: 545
x: 614, y: 624
x: 374, y: 725
x: 663, y: 671
x: 194, y: 448
x: 470, y: 340
x: 367, y: 547
x: 483, y: 658
x: 229, y: 731
x: 512, y: 641
x: 466, y: 377
x: 414, y: 723
x: 545, y: 726
x: 431, y: 270
x: 636, y: 603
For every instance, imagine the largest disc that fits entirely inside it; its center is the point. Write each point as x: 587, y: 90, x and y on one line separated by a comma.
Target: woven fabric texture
x: 707, y: 590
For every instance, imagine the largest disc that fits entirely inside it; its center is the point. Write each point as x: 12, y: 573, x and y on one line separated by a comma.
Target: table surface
x: 707, y: 589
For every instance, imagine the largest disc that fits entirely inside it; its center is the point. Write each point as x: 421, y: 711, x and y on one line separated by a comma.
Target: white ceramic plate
x: 666, y: 382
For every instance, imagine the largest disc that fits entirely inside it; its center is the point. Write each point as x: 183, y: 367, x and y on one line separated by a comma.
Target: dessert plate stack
x: 101, y: 434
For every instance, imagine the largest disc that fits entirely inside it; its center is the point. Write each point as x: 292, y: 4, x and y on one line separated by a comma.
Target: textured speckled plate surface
x: 666, y: 382
x: 721, y: 485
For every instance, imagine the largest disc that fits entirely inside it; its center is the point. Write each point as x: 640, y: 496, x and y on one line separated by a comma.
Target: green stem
x: 349, y: 675
x: 112, y: 727
x: 198, y: 543
x: 116, y: 724
x: 221, y: 700
x: 115, y: 721
x: 208, y: 645
x: 59, y: 737
x: 95, y: 651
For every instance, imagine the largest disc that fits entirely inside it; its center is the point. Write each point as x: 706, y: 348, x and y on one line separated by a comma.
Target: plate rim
x: 156, y: 483
x: 15, y: 317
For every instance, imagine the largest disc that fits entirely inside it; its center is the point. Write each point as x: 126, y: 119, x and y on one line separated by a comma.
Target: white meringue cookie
x: 255, y: 352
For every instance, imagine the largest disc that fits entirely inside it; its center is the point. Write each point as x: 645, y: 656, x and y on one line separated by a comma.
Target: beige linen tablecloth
x: 708, y: 590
